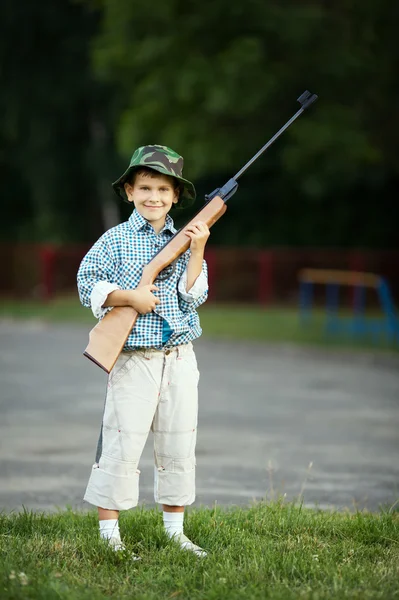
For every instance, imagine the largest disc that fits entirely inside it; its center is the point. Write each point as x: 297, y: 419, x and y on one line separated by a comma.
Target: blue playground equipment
x: 359, y: 325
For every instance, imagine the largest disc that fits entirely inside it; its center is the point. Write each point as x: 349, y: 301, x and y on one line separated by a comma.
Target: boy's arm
x: 95, y: 278
x: 98, y: 290
x: 102, y: 290
x: 193, y: 285
x: 197, y: 294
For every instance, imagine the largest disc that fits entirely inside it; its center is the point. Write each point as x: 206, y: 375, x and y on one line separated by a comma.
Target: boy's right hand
x: 142, y: 299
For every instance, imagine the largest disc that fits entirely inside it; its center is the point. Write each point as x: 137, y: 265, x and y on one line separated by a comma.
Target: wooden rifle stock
x: 108, y: 337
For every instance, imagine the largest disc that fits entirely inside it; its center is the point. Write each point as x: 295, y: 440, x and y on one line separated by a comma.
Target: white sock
x: 173, y: 522
x: 109, y: 528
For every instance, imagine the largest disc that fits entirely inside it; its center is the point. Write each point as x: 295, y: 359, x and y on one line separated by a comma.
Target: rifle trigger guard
x: 167, y: 272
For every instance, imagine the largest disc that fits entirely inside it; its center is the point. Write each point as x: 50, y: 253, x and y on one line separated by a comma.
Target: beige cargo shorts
x: 148, y: 390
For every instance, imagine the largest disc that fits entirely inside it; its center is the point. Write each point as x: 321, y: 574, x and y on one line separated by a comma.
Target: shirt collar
x: 137, y: 221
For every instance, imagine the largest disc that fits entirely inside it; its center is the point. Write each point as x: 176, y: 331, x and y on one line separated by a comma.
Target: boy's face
x: 153, y: 196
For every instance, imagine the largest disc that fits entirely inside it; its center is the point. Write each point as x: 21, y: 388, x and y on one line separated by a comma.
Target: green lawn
x: 246, y: 322
x: 279, y: 551
x: 60, y: 309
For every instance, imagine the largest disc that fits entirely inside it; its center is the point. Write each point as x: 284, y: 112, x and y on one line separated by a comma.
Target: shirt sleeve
x: 198, y: 293
x: 99, y: 295
x: 95, y: 278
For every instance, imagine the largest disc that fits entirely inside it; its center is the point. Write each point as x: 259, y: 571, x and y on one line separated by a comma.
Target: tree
x: 47, y: 103
x: 215, y: 80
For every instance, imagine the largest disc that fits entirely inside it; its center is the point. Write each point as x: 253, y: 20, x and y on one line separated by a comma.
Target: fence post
x: 265, y: 281
x: 47, y: 263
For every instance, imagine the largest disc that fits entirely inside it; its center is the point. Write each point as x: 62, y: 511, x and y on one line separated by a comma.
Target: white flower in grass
x: 23, y: 579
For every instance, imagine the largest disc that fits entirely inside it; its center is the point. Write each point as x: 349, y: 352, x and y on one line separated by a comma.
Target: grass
x: 277, y: 550
x: 63, y: 309
x: 270, y: 324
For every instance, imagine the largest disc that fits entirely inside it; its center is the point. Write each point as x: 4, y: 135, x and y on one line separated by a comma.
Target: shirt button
x: 167, y: 352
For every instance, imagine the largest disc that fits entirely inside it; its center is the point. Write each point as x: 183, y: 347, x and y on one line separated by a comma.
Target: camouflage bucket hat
x: 165, y: 161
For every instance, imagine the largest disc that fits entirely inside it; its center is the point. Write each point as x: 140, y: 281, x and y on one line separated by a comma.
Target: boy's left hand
x: 199, y: 233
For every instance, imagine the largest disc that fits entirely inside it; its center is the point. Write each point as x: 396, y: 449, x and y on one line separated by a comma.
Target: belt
x: 180, y: 349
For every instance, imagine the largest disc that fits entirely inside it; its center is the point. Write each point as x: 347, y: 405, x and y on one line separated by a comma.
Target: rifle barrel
x: 309, y: 101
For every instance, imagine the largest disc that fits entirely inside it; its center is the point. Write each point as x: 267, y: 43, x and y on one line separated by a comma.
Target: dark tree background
x: 84, y: 83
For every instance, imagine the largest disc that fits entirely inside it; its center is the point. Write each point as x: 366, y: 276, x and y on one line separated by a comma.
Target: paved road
x: 266, y: 414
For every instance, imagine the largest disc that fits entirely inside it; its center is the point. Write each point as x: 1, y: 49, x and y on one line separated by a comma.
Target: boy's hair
x: 147, y: 171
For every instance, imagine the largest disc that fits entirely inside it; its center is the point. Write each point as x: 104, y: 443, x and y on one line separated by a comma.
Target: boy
x: 154, y: 382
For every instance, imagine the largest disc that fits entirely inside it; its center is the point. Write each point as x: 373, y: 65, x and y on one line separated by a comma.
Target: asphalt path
x: 274, y: 421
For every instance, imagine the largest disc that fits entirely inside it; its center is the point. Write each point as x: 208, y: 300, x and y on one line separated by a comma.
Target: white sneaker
x: 117, y: 545
x: 187, y: 544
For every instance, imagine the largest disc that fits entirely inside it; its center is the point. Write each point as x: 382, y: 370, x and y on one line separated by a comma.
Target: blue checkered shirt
x: 116, y: 261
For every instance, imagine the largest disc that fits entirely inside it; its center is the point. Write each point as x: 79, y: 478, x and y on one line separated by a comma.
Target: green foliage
x: 46, y: 93
x: 213, y: 81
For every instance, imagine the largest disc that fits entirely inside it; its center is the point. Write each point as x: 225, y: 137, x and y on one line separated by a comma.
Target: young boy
x: 154, y: 382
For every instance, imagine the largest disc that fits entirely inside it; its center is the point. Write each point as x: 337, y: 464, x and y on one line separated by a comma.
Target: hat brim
x: 187, y: 190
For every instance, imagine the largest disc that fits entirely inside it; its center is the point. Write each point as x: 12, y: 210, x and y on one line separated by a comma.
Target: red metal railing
x: 247, y: 275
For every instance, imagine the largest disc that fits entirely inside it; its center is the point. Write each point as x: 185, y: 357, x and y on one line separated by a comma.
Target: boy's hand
x: 199, y: 233
x: 142, y: 299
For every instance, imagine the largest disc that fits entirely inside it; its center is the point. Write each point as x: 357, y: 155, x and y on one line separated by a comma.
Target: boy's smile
x: 153, y: 195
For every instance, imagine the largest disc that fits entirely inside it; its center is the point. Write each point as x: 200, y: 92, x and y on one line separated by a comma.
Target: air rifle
x: 108, y: 337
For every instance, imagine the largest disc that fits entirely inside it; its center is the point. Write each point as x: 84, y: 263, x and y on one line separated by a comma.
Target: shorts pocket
x: 190, y: 361
x: 121, y: 368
